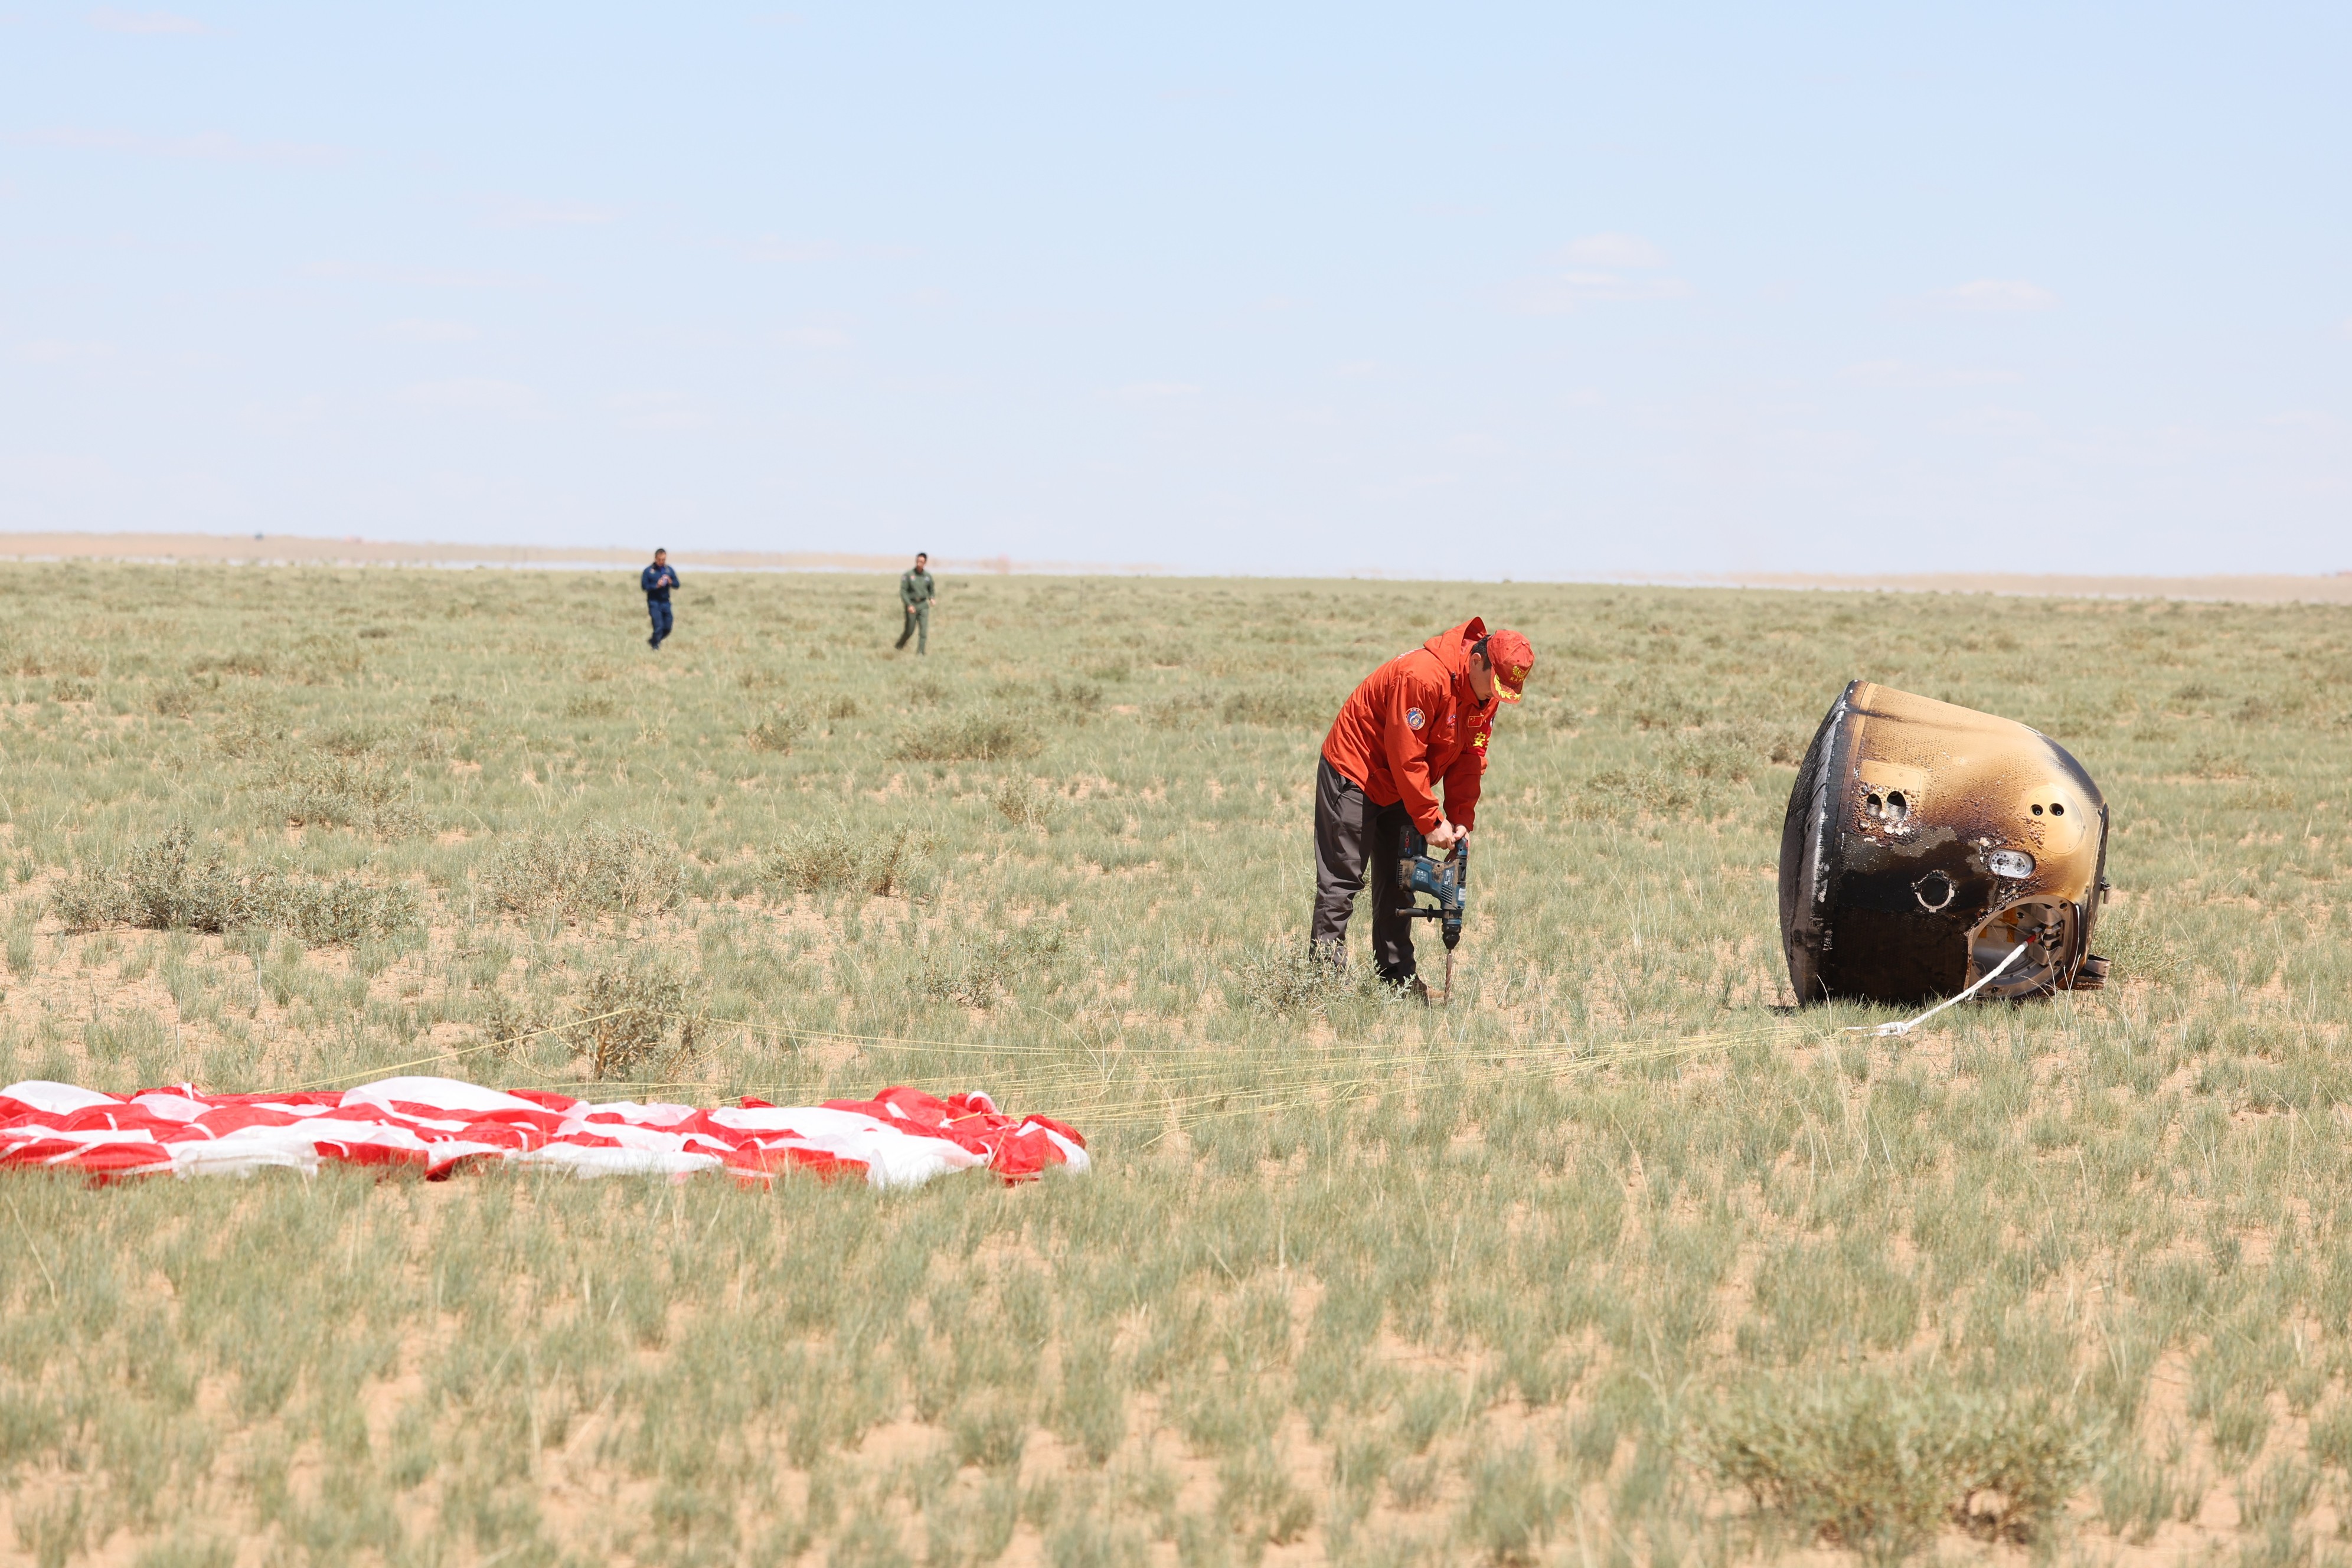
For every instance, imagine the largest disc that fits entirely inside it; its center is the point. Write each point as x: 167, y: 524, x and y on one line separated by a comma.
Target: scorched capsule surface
x: 1925, y: 842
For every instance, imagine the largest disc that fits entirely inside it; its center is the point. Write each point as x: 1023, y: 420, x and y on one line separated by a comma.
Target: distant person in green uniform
x: 916, y: 591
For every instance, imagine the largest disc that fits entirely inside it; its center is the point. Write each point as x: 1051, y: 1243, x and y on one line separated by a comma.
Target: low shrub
x: 509, y: 1022
x: 2134, y: 944
x: 169, y: 885
x: 837, y: 857
x: 337, y: 911
x: 230, y: 664
x: 976, y: 970
x: 776, y: 731
x: 989, y: 1429
x: 175, y: 700
x: 2211, y: 762
x: 350, y: 740
x: 1512, y: 1505
x: 322, y: 661
x: 1278, y: 709
x: 172, y: 885
x: 1082, y: 696
x: 1257, y: 1500
x: 1715, y: 759
x: 1652, y: 700
x: 1180, y: 711
x: 1022, y: 803
x: 335, y: 789
x: 983, y: 736
x: 1875, y: 1465
x: 635, y: 1016
x: 247, y: 729
x: 1288, y: 981
x: 1627, y: 792
x: 593, y: 871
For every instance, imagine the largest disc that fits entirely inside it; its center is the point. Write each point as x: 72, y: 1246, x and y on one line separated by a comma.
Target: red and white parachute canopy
x: 900, y: 1137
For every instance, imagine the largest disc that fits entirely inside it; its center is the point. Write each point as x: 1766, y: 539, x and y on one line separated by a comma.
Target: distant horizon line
x: 352, y: 550
x: 290, y: 549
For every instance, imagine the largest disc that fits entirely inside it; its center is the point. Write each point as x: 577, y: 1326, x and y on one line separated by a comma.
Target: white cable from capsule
x: 1879, y: 1030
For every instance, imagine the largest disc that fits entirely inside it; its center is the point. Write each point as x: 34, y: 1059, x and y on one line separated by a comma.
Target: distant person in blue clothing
x: 657, y: 580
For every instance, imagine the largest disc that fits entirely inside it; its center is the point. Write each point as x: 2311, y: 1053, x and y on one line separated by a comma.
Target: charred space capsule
x: 1925, y: 843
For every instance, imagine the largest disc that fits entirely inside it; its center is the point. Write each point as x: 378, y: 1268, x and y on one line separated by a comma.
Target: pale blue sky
x: 1490, y: 292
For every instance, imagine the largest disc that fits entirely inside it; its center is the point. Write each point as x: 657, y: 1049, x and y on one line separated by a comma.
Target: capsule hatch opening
x: 2044, y: 926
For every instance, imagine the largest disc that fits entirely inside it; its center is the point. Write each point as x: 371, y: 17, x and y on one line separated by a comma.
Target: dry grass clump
x: 776, y: 731
x: 336, y: 788
x: 1281, y: 709
x: 1182, y: 712
x: 1285, y: 981
x: 836, y: 856
x: 509, y: 1020
x: 334, y: 910
x: 172, y: 885
x: 2131, y: 938
x: 169, y: 885
x: 1082, y: 696
x: 217, y: 663
x: 2214, y: 762
x: 1877, y: 1463
x: 636, y: 1014
x: 590, y: 872
x: 639, y: 1015
x: 979, y: 736
x: 1626, y: 792
x: 1699, y: 770
x: 1021, y: 802
x: 975, y: 971
x: 176, y: 699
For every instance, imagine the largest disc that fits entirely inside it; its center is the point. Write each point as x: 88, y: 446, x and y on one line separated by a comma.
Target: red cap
x: 1511, y: 658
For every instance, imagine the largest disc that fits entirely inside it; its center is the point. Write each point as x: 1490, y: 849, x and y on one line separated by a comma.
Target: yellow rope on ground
x: 1123, y: 1083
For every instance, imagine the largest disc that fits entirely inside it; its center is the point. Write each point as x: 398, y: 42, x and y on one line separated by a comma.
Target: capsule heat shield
x: 1925, y: 842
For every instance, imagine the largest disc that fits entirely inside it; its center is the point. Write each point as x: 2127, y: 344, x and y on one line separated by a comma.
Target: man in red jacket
x: 1419, y: 721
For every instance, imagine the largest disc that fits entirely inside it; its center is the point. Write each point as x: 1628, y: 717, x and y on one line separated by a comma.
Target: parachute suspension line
x: 1877, y: 1031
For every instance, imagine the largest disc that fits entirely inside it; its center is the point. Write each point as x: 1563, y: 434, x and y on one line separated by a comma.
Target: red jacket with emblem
x: 1414, y: 722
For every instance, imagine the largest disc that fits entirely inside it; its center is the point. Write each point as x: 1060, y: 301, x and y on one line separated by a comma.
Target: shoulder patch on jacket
x: 1412, y: 717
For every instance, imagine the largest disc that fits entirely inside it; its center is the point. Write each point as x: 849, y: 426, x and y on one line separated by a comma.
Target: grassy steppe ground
x: 1615, y: 1260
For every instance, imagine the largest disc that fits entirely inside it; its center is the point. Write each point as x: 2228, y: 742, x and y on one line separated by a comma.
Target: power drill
x: 1418, y: 873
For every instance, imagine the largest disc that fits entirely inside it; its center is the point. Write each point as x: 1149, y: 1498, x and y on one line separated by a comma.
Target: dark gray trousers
x: 1352, y: 835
